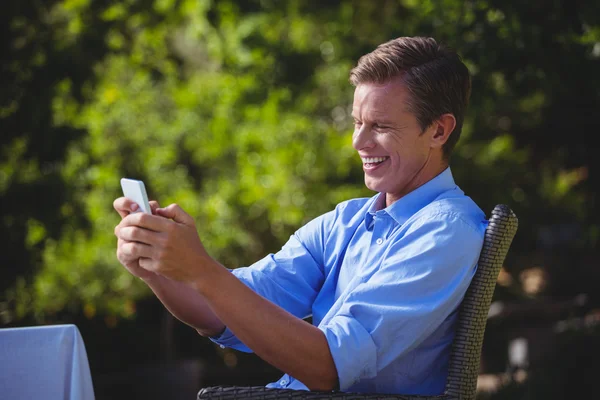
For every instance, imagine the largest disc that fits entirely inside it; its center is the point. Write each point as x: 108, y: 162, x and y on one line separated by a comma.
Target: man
x: 381, y: 277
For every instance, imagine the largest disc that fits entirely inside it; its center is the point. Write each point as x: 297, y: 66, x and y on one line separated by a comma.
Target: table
x: 44, y: 362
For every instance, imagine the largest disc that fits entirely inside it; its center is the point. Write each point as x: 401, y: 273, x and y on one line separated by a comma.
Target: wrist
x: 206, y: 281
x: 151, y: 279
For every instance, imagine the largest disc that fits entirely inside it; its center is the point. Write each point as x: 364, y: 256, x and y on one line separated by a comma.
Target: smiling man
x: 382, y: 277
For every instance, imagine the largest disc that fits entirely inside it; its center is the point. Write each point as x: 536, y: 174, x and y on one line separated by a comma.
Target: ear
x: 442, y: 128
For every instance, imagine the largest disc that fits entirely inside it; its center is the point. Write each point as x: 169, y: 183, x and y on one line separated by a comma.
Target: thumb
x: 175, y: 213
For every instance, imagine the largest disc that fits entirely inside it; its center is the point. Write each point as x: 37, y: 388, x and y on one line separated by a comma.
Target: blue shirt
x: 383, y: 284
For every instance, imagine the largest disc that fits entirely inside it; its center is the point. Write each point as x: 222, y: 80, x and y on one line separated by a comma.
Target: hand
x: 166, y: 243
x: 124, y: 207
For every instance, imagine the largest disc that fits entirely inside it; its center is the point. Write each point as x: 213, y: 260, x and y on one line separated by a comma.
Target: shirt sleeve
x: 420, y: 282
x: 291, y: 278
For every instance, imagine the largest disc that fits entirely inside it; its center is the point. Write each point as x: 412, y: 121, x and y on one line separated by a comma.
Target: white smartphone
x: 135, y: 190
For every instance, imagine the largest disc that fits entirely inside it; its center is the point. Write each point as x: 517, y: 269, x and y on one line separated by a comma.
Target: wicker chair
x: 463, y: 367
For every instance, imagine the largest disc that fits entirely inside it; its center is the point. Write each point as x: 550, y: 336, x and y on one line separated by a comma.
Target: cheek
x: 395, y: 150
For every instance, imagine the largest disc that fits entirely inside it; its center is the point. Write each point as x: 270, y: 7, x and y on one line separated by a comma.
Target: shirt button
x: 379, y: 241
x: 221, y: 346
x: 283, y: 382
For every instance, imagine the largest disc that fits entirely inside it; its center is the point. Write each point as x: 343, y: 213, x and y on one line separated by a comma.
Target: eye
x: 380, y: 127
x: 357, y: 123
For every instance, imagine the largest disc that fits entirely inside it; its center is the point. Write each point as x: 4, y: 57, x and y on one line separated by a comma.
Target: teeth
x: 372, y: 160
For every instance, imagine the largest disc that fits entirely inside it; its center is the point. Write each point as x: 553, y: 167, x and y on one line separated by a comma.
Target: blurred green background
x: 239, y: 112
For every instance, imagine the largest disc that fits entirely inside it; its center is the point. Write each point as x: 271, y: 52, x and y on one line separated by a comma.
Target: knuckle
x: 122, y: 256
x: 162, y: 241
x: 142, y: 218
x: 132, y: 233
x: 124, y: 249
x: 123, y: 233
x: 171, y: 228
x: 129, y: 249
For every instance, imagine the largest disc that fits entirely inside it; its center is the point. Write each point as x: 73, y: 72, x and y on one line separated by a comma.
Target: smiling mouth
x: 372, y: 162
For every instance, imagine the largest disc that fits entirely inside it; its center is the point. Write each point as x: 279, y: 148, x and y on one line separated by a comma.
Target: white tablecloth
x: 44, y: 363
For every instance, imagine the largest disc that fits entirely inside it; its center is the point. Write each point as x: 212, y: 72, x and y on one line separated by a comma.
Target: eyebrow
x: 380, y: 121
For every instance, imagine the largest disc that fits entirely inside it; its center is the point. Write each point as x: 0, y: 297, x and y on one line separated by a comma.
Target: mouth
x: 371, y: 163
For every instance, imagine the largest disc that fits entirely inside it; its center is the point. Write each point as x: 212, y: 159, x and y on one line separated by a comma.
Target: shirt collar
x: 408, y: 205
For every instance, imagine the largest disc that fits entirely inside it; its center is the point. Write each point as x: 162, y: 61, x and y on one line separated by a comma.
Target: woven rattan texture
x: 262, y: 393
x: 466, y: 348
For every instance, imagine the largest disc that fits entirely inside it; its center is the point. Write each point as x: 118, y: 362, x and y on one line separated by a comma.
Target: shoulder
x: 455, y: 211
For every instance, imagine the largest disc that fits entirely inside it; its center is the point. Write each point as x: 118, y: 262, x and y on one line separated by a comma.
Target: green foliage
x: 239, y: 112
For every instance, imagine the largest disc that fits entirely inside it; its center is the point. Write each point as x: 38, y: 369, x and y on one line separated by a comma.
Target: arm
x: 280, y: 338
x: 404, y: 302
x: 184, y: 303
x: 172, y: 248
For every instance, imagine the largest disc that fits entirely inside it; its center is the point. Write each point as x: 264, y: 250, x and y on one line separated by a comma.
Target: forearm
x: 186, y: 304
x: 278, y: 337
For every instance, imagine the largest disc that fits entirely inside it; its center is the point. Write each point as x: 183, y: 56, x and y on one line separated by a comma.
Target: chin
x: 373, y: 185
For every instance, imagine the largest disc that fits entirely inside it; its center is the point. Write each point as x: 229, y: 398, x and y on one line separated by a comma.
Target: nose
x: 362, y: 138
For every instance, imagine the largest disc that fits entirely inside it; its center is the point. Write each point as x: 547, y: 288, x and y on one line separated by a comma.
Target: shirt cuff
x: 228, y: 339
x: 352, y: 348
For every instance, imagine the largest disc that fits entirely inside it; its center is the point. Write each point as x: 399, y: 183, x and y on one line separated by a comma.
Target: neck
x: 424, y: 175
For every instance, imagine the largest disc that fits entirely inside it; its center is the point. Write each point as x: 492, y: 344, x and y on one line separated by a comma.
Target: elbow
x: 202, y: 333
x: 325, y: 378
x: 210, y: 332
x: 214, y: 328
x: 323, y: 386
x: 323, y: 382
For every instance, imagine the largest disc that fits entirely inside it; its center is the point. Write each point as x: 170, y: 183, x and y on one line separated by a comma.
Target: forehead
x: 380, y: 98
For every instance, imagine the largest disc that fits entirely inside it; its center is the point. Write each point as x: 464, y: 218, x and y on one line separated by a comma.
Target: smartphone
x: 135, y: 190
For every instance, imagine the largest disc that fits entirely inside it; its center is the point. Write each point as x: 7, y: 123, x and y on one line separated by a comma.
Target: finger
x: 122, y: 256
x: 176, y: 213
x: 148, y: 264
x: 140, y: 235
x: 124, y: 206
x: 133, y: 250
x: 126, y: 254
x: 153, y: 206
x: 154, y: 223
x: 119, y: 226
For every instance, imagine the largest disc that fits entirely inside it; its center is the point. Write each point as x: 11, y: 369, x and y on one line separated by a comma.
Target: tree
x: 239, y: 111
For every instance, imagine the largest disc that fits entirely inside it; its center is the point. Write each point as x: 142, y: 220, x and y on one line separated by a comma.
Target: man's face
x: 396, y: 154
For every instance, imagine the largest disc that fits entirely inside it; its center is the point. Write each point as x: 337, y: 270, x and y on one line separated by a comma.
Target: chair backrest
x: 466, y: 349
